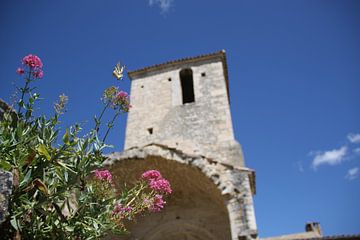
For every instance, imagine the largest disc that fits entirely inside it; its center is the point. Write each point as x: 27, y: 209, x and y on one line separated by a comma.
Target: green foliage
x: 51, y: 196
x: 56, y: 194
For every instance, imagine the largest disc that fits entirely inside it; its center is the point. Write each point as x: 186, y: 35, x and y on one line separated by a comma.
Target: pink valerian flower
x: 117, y: 99
x: 121, y: 211
x: 38, y: 73
x: 157, y: 203
x: 122, y: 100
x: 103, y: 175
x: 122, y: 94
x: 147, y: 202
x: 157, y: 182
x: 160, y: 185
x: 151, y: 174
x: 20, y: 71
x: 35, y: 65
x: 32, y: 61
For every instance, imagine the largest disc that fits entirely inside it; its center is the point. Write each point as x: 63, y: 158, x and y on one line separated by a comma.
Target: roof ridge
x: 219, y: 54
x: 155, y: 67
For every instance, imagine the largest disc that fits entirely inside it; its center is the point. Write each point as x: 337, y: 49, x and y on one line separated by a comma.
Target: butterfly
x: 118, y: 71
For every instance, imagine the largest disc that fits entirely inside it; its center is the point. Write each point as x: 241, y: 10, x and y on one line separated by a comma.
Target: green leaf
x: 66, y: 167
x: 21, y: 103
x: 41, y: 149
x: 66, y: 176
x: 31, y: 100
x: 26, y: 178
x: 28, y: 113
x: 65, y: 138
x: 69, y: 228
x: 5, y: 165
x: 14, y: 223
x: 96, y: 226
x: 54, y: 120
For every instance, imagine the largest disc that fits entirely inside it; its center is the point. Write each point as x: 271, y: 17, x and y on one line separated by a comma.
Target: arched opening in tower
x: 187, y: 85
x: 195, y: 209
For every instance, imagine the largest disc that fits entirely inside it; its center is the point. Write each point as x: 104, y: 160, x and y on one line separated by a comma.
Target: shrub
x: 60, y: 189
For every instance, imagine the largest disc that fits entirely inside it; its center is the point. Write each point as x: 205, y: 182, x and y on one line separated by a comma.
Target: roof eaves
x: 219, y: 54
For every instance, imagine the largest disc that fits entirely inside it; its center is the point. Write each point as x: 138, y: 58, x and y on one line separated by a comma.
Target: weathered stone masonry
x: 193, y: 145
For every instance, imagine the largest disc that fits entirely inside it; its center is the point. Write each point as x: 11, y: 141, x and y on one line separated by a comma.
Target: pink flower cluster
x: 122, y: 94
x: 157, y: 182
x: 122, y: 99
x: 103, y: 175
x: 157, y: 203
x: 20, y: 71
x: 151, y: 174
x: 117, y: 99
x: 121, y: 211
x: 35, y: 65
x: 32, y: 61
x: 160, y: 185
x: 38, y: 73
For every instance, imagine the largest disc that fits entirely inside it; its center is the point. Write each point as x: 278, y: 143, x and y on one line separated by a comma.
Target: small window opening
x: 187, y: 85
x: 142, y: 86
x: 150, y: 131
x: 203, y: 74
x: 169, y: 79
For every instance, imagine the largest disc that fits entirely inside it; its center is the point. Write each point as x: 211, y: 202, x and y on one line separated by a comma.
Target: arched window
x: 187, y: 85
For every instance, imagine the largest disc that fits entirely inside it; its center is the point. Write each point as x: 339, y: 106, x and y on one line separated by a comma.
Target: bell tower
x: 180, y: 124
x: 184, y: 104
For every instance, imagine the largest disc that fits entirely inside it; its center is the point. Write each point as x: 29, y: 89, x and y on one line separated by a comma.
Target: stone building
x: 180, y: 124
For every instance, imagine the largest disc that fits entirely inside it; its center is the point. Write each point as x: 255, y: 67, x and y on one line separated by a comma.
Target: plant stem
x: 24, y: 90
x: 97, y: 124
x: 136, y: 195
x: 110, y: 125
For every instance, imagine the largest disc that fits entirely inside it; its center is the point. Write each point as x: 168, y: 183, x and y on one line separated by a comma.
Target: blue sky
x: 294, y: 84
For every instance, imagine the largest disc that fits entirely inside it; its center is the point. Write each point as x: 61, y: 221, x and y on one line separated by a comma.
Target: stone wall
x: 202, y: 127
x: 6, y: 184
x: 210, y: 200
x: 6, y: 178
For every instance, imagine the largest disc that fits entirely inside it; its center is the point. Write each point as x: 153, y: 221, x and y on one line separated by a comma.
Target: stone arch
x: 195, y: 210
x: 210, y: 199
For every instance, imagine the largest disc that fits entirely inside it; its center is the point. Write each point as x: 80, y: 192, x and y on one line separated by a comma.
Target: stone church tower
x: 181, y: 125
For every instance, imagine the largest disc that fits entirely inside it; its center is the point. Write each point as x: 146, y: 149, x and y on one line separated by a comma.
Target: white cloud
x: 331, y: 157
x: 163, y: 4
x: 354, y: 137
x: 352, y: 173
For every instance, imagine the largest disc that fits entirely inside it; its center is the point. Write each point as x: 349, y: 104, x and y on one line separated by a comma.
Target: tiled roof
x: 216, y: 55
x: 219, y: 54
